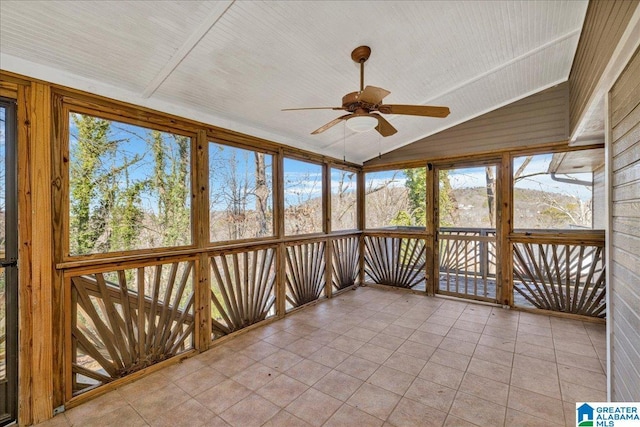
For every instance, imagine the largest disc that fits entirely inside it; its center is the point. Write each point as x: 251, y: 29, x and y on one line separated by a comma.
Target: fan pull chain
x: 344, y: 144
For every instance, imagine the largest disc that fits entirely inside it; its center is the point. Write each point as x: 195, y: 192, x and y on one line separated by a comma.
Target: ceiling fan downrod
x: 360, y: 56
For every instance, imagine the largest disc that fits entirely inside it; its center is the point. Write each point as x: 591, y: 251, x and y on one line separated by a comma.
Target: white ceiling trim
x: 207, y: 23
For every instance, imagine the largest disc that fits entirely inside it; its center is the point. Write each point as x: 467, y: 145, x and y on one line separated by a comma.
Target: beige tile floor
x: 374, y: 357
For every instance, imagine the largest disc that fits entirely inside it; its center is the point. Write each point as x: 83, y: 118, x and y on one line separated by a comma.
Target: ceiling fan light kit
x: 362, y: 105
x: 362, y: 123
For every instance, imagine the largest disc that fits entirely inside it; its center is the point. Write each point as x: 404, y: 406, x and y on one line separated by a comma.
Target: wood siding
x: 537, y: 119
x: 599, y: 213
x: 624, y: 164
x: 604, y: 24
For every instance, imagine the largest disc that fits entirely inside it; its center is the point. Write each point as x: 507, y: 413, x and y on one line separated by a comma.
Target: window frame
x: 108, y: 113
x: 323, y: 191
x: 274, y: 193
x: 393, y: 228
x: 330, y: 168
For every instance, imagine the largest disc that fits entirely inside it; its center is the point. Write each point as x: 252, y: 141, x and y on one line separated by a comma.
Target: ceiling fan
x: 362, y: 105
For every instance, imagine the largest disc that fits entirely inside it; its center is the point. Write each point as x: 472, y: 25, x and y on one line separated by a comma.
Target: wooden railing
x: 305, y: 272
x: 123, y: 320
x: 345, y: 261
x: 566, y: 275
x: 126, y: 315
x: 243, y: 289
x: 397, y: 261
x: 467, y: 262
x: 130, y: 313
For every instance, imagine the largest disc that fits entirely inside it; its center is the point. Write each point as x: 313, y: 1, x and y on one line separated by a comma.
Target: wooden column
x: 504, y: 224
x: 200, y: 199
x: 42, y: 372
x: 278, y: 212
x: 431, y: 264
x: 361, y: 215
x: 25, y: 320
x: 327, y: 227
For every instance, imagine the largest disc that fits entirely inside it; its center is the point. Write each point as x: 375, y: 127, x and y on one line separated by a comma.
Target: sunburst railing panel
x: 243, y: 289
x: 395, y: 261
x: 560, y: 277
x: 305, y: 273
x: 128, y: 319
x: 345, y: 261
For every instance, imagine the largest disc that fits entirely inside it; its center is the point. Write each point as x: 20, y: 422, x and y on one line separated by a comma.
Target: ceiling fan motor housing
x: 351, y: 102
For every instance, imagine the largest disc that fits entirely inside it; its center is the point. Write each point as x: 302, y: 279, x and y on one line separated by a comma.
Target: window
x: 467, y: 198
x: 129, y: 187
x: 240, y: 193
x: 396, y: 198
x: 302, y: 197
x: 555, y: 190
x: 343, y: 199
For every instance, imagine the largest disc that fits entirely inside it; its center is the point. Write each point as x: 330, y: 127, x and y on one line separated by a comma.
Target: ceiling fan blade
x: 415, y: 110
x: 313, y: 108
x: 384, y: 127
x: 330, y: 124
x: 372, y: 95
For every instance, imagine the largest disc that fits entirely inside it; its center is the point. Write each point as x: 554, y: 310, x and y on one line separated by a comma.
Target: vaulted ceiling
x: 236, y: 64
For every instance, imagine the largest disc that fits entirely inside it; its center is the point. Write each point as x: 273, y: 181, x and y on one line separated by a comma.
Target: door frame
x: 500, y: 205
x: 9, y: 263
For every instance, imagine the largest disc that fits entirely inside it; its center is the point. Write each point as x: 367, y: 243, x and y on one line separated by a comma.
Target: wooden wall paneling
x: 200, y: 202
x: 504, y: 226
x: 624, y: 237
x: 535, y: 120
x: 604, y: 25
x: 25, y: 257
x: 599, y: 216
x: 42, y: 364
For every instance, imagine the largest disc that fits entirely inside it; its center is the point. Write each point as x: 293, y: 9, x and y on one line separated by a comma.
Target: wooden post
x: 42, y: 364
x: 327, y: 228
x: 504, y: 221
x: 25, y: 247
x: 278, y: 212
x: 58, y: 130
x: 431, y: 201
x: 200, y: 218
x: 361, y: 213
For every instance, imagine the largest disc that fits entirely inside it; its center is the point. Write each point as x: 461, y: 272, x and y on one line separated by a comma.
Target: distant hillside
x: 533, y: 209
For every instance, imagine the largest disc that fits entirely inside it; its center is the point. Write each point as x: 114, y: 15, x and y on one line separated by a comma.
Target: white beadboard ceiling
x: 236, y: 64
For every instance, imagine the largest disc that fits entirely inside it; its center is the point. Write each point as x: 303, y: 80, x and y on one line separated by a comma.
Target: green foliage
x: 447, y: 201
x: 88, y: 225
x: 416, y: 184
x: 172, y: 187
x: 106, y: 198
x: 402, y: 219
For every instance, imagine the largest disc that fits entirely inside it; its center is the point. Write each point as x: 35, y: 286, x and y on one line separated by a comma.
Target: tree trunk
x: 262, y: 194
x: 491, y: 198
